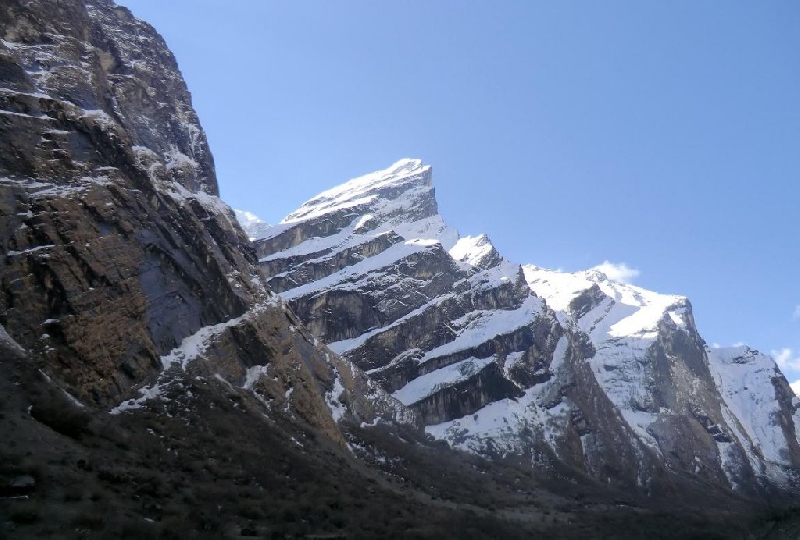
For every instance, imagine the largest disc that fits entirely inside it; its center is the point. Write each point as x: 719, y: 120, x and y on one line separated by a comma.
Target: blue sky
x: 662, y: 135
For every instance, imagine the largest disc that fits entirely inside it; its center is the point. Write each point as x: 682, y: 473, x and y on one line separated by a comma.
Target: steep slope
x: 122, y: 272
x: 687, y: 402
x: 445, y: 324
x: 543, y: 367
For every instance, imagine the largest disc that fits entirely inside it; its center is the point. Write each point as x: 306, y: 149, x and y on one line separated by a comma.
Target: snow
x: 46, y: 189
x: 622, y: 326
x: 472, y: 249
x: 360, y: 190
x: 195, y: 345
x: 213, y: 204
x: 389, y: 197
x: 146, y: 393
x: 497, y: 425
x: 40, y: 95
x: 495, y: 276
x: 511, y: 360
x: 480, y: 326
x: 362, y: 268
x: 623, y: 321
x: 252, y: 225
x: 253, y: 374
x: 12, y: 252
x: 287, y: 396
x: 744, y: 378
x: 634, y: 311
x: 430, y: 383
x: 333, y: 398
x: 342, y: 240
x: 177, y: 160
x: 73, y: 399
x: 99, y: 116
x: 343, y: 346
x: 24, y: 115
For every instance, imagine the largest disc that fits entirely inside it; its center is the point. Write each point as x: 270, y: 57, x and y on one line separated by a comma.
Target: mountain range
x: 358, y: 370
x: 507, y: 360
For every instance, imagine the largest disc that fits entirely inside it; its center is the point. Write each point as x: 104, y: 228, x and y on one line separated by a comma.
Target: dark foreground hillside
x: 211, y: 466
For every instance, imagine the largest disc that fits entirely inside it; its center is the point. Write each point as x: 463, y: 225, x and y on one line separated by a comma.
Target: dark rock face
x: 95, y: 72
x: 107, y: 263
x: 116, y: 254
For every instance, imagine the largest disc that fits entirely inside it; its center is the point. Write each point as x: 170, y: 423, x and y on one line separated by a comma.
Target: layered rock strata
x: 517, y: 361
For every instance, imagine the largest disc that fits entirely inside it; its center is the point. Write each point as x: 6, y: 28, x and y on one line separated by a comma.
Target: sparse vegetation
x: 176, y: 478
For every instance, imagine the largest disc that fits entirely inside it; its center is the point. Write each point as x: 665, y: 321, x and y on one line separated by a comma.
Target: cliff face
x: 542, y: 366
x: 372, y: 270
x: 120, y: 267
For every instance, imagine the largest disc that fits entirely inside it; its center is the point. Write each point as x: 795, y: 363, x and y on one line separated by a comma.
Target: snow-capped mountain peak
x: 252, y: 225
x: 591, y: 297
x: 407, y: 176
x: 496, y: 358
x: 475, y: 251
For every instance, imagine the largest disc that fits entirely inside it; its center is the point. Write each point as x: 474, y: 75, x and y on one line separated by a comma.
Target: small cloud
x: 715, y: 345
x: 738, y: 344
x: 617, y: 272
x: 796, y: 314
x: 795, y: 387
x: 786, y: 359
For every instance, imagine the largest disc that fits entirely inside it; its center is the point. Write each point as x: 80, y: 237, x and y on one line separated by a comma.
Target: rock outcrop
x: 546, y: 367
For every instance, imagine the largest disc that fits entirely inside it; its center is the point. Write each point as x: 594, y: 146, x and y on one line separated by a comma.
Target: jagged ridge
x: 538, y: 364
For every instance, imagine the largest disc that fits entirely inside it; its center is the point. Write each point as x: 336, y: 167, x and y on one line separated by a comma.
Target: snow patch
x: 195, y: 345
x: 333, y: 398
x: 430, y: 383
x: 497, y: 426
x: 253, y: 374
x: 145, y: 394
x: 744, y: 378
x: 472, y: 250
x: 480, y: 326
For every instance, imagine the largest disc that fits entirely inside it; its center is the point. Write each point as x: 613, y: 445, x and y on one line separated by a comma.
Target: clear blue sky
x: 665, y: 135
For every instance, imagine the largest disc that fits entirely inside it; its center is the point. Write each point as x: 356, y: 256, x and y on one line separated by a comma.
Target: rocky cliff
x: 509, y: 361
x: 119, y: 265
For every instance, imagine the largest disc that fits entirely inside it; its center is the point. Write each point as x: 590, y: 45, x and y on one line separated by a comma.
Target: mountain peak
x: 406, y: 184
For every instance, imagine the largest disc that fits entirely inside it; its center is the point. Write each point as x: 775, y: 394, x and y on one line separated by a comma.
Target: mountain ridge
x: 488, y: 352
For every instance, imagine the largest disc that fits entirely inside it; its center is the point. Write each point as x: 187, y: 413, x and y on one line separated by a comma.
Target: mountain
x: 134, y: 321
x: 153, y: 386
x: 121, y: 265
x: 524, y: 362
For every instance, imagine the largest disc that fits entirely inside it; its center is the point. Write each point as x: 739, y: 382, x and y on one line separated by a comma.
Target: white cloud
x: 716, y: 345
x: 796, y: 314
x: 796, y: 387
x: 618, y: 272
x: 786, y: 359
